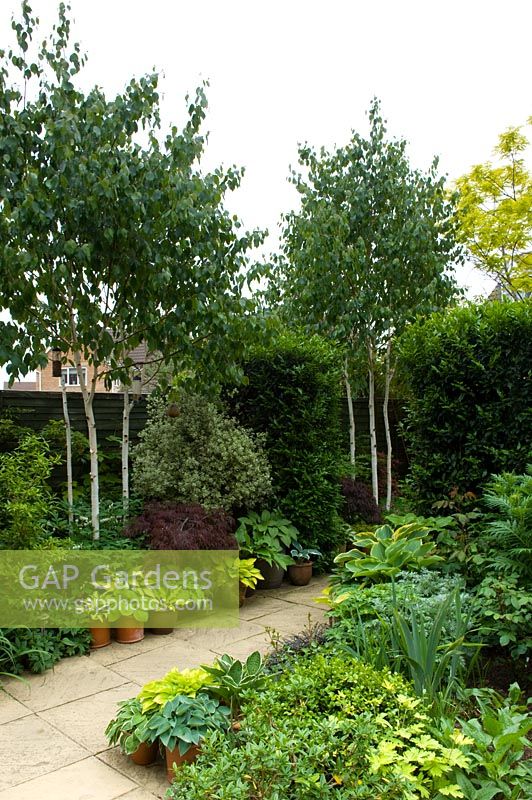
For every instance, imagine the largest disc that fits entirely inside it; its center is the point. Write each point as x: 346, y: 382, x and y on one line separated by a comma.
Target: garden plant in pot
x: 104, y: 616
x: 248, y: 577
x: 129, y: 729
x: 231, y: 678
x: 300, y: 573
x: 183, y: 722
x: 266, y: 536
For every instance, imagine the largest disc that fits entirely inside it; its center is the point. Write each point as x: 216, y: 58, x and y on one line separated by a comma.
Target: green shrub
x: 293, y: 397
x: 469, y: 414
x: 39, y: 649
x: 321, y: 730
x: 502, y: 610
x: 201, y: 456
x: 24, y: 492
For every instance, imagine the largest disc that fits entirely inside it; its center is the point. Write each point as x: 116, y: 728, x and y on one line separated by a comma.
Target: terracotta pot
x: 155, y: 618
x: 300, y: 574
x: 101, y: 637
x: 145, y: 754
x: 129, y: 634
x: 175, y: 757
x: 272, y: 575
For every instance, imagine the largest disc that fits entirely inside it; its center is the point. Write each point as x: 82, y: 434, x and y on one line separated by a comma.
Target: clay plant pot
x: 101, y: 637
x: 156, y: 617
x: 145, y: 754
x: 300, y: 574
x: 128, y: 633
x: 272, y: 575
x: 175, y: 757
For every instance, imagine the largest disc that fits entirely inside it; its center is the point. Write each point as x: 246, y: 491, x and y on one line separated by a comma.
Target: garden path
x: 52, y: 742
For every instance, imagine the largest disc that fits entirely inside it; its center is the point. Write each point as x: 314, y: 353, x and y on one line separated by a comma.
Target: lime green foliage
x: 24, y: 492
x: 293, y: 396
x: 202, y: 456
x: 382, y: 554
x: 231, y: 677
x: 468, y: 414
x: 494, y: 216
x: 184, y: 721
x: 155, y: 694
x: 266, y: 535
x: 248, y: 574
x: 129, y: 728
x: 494, y: 743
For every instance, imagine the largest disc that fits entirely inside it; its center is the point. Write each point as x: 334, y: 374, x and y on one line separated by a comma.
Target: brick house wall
x: 45, y: 381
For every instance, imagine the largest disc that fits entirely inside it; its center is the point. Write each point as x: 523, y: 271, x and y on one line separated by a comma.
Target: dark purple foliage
x: 178, y: 526
x: 359, y: 503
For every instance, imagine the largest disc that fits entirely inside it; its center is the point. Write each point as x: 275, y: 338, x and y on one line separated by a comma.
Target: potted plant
x: 155, y: 694
x: 266, y: 536
x: 130, y: 730
x: 128, y: 629
x: 183, y: 722
x: 248, y: 577
x: 101, y: 635
x: 231, y: 678
x: 300, y: 573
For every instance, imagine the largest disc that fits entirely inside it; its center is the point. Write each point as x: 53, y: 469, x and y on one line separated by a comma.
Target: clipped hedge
x: 469, y: 414
x: 293, y: 396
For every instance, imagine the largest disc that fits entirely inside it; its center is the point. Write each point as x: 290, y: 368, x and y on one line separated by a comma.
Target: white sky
x: 451, y: 75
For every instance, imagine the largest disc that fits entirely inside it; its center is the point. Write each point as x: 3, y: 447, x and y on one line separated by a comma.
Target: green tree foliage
x: 292, y: 394
x: 368, y: 249
x: 470, y: 412
x: 495, y: 214
x: 24, y: 492
x: 201, y: 456
x: 129, y: 240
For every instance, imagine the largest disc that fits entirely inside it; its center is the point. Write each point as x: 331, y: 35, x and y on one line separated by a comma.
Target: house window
x: 70, y: 376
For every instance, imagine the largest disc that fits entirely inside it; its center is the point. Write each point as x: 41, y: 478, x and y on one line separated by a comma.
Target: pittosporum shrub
x: 469, y: 413
x: 293, y: 397
x: 201, y: 456
x: 175, y: 526
x: 359, y: 503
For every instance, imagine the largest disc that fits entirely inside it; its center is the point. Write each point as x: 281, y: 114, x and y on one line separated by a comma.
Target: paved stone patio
x: 52, y: 742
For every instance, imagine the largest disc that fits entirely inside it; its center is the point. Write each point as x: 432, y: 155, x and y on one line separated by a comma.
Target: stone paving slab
x: 89, y: 779
x: 11, y: 709
x: 86, y: 719
x: 152, y: 779
x: 148, y: 666
x: 29, y: 748
x: 69, y: 680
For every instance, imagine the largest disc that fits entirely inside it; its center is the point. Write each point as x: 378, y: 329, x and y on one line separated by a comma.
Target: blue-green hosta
x: 380, y: 555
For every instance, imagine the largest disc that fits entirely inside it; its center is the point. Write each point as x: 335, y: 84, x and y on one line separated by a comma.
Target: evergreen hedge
x: 293, y: 396
x: 469, y: 414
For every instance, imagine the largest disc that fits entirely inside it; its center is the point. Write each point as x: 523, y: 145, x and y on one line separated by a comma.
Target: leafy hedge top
x: 470, y: 412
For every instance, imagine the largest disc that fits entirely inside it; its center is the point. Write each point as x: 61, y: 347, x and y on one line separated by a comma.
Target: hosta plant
x: 156, y: 694
x: 266, y: 535
x: 129, y: 728
x: 184, y: 721
x: 303, y: 555
x: 248, y: 574
x: 380, y: 555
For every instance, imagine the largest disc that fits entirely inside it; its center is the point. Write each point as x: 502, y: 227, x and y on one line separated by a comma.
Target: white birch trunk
x: 352, y: 445
x: 88, y: 398
x: 68, y: 433
x: 125, y: 449
x: 372, y: 428
x: 388, y: 380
